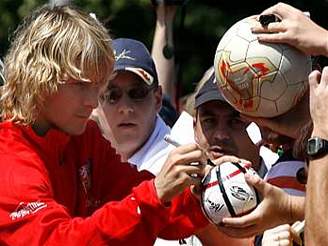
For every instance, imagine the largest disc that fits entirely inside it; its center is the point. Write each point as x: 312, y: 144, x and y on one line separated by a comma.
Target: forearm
x: 186, y: 217
x: 297, y: 208
x: 316, y: 203
x: 325, y: 52
x: 322, y: 41
x: 137, y: 218
x: 163, y: 37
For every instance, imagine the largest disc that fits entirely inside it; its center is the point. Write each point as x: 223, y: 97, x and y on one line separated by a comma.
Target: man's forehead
x: 217, y: 108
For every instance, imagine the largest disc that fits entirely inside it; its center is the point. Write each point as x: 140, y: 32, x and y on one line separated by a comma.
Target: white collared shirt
x: 154, y: 152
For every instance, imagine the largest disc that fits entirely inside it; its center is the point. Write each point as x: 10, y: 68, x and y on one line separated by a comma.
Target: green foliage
x: 12, y: 12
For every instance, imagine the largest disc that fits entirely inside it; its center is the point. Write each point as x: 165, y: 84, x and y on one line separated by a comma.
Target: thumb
x: 256, y: 182
x: 314, y: 79
x: 225, y: 158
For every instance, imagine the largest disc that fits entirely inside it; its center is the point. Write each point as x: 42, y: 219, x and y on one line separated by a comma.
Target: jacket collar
x: 52, y: 143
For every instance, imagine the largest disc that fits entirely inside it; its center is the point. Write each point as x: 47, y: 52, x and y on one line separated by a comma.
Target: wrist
x: 160, y: 196
x: 161, y: 23
x: 319, y: 132
x: 290, y: 217
x: 326, y: 45
x: 323, y: 45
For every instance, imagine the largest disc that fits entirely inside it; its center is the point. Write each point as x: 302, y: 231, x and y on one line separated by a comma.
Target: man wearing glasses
x: 131, y: 104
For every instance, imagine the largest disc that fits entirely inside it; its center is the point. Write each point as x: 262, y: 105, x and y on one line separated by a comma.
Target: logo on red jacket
x: 85, y: 176
x: 24, y: 209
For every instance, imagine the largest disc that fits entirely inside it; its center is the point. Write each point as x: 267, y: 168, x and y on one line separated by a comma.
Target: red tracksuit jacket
x: 62, y: 190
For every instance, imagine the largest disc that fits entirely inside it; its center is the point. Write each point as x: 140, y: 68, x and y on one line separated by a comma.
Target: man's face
x: 70, y: 107
x: 130, y: 107
x: 219, y: 129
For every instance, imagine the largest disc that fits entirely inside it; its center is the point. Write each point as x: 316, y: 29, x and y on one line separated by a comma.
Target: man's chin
x: 75, y: 131
x: 216, y: 155
x: 128, y: 143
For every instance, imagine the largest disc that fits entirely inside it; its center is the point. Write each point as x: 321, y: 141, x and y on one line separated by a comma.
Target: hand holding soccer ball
x: 226, y: 193
x: 275, y: 208
x: 259, y: 79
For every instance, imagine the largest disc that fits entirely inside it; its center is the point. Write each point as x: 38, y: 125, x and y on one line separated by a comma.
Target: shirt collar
x: 157, y: 135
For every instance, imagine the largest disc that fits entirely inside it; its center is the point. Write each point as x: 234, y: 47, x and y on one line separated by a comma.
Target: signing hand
x: 178, y: 173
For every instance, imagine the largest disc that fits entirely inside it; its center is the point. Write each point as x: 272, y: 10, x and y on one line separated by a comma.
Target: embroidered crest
x: 85, y: 176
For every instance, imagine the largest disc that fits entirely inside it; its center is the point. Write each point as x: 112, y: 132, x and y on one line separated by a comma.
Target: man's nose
x: 221, y: 132
x: 92, y: 97
x: 125, y: 104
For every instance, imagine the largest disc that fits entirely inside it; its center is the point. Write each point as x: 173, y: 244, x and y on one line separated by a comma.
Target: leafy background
x: 197, y: 29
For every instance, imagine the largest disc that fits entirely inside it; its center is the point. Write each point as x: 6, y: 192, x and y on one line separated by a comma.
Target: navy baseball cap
x: 208, y: 92
x: 132, y: 55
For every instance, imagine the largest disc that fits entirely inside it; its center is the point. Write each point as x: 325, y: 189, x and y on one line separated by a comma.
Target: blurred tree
x: 196, y: 40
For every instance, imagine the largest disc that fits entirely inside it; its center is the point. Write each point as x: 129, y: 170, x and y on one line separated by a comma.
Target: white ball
x: 259, y: 79
x: 226, y: 193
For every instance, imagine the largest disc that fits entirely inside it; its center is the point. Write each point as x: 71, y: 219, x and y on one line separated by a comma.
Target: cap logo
x: 123, y: 55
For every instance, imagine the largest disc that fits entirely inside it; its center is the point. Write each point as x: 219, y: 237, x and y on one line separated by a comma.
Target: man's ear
x: 158, y: 98
x: 195, y: 118
x: 195, y: 125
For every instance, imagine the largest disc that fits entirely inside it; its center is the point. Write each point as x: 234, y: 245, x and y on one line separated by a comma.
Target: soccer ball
x: 225, y: 192
x: 259, y: 79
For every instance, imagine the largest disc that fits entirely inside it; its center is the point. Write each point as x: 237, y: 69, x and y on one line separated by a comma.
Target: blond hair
x: 51, y: 46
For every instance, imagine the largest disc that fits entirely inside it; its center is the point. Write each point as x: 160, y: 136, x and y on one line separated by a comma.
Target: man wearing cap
x: 219, y: 129
x: 218, y: 126
x: 131, y: 104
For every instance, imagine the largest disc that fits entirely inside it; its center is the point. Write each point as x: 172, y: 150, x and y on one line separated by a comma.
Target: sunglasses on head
x: 136, y: 94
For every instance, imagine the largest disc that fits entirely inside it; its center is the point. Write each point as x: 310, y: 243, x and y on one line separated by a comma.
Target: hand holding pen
x: 212, y: 163
x: 170, y: 140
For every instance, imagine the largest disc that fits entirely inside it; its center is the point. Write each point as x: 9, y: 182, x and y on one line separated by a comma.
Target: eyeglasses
x: 136, y: 94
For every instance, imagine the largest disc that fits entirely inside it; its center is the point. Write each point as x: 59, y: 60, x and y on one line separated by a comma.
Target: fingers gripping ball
x: 225, y: 192
x: 259, y: 79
